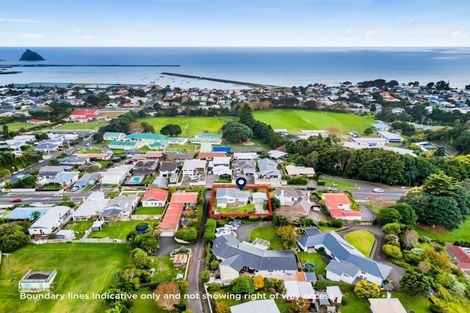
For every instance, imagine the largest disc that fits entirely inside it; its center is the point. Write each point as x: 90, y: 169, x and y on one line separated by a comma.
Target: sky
x: 228, y: 23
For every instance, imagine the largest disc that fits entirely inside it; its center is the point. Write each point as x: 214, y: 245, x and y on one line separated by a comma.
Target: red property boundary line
x: 215, y: 187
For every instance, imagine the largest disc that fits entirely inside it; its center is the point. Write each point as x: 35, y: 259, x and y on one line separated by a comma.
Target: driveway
x: 376, y: 253
x: 243, y: 232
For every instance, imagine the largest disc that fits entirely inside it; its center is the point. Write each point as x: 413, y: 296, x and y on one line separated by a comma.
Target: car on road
x: 57, y: 195
x: 378, y: 190
x: 17, y: 200
x: 332, y: 189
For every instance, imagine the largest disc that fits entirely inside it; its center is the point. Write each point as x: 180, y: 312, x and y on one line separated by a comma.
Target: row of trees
x: 10, y: 163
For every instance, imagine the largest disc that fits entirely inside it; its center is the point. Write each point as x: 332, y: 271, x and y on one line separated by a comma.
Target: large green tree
x: 415, y: 283
x: 171, y: 130
x: 235, y: 132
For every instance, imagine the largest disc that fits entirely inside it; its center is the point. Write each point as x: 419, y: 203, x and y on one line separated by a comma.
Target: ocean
x: 273, y: 66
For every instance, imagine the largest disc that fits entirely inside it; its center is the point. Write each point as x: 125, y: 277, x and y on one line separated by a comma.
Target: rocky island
x: 29, y: 55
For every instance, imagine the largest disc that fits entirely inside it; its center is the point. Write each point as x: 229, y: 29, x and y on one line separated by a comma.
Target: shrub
x: 434, y: 308
x: 188, y: 234
x: 337, y: 223
x: 299, y: 180
x: 392, y: 251
x: 209, y: 232
x: 243, y: 284
x: 322, y: 223
x: 205, y: 276
x: 365, y: 289
x: 392, y: 228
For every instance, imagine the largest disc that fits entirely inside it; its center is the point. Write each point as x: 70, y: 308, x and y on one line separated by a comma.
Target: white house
x: 51, y: 220
x: 115, y: 175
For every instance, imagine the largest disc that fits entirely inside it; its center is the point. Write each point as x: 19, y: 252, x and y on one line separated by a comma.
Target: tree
x: 222, y: 307
x: 407, y: 214
x: 243, y: 284
x: 258, y: 282
x: 147, y: 128
x: 146, y: 242
x: 140, y: 258
x: 209, y: 231
x: 187, y: 234
x: 275, y: 204
x: 205, y: 276
x: 439, y: 184
x: 171, y: 130
x: 168, y: 295
x: 288, y: 235
x: 365, y: 289
x: 410, y: 238
x: 5, y: 129
x: 300, y: 305
x: 392, y: 228
x: 389, y: 215
x: 415, y: 283
x: 235, y: 132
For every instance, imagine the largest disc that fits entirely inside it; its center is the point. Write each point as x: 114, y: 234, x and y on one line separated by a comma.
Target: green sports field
x: 295, y: 120
x: 82, y: 269
x: 81, y: 126
x: 16, y: 126
x: 189, y: 125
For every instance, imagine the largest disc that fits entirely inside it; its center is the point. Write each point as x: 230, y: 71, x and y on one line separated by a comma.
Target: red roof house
x: 210, y: 155
x: 179, y: 200
x: 83, y: 115
x: 155, y: 197
x: 460, y: 256
x: 339, y: 206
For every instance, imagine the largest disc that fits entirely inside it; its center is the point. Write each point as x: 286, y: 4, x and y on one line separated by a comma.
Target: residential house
x: 390, y: 137
x: 51, y: 220
x: 237, y: 257
x: 294, y: 170
x: 155, y: 197
x: 115, y: 175
x: 194, y: 169
x: 65, y: 179
x: 305, y: 134
x: 268, y: 169
x: 299, y: 290
x: 124, y: 203
x: 347, y: 264
x: 386, y: 305
x: 460, y: 256
x: 178, y: 202
x: 227, y: 197
x: 339, y: 206
x: 257, y: 306
x: 207, y: 138
x: 245, y: 156
x: 295, y: 203
x: 87, y: 179
x: 74, y: 160
x: 93, y: 205
x: 145, y: 167
x: 245, y: 168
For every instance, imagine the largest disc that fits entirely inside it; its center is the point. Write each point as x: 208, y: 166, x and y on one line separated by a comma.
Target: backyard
x: 314, y: 258
x: 82, y: 269
x: 189, y: 125
x: 267, y: 233
x: 116, y: 230
x: 79, y: 228
x: 295, y: 120
x: 149, y: 211
x: 461, y: 233
x: 165, y: 271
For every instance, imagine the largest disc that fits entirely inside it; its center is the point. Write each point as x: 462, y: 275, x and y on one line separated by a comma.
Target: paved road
x: 42, y: 197
x: 364, y: 190
x: 376, y: 253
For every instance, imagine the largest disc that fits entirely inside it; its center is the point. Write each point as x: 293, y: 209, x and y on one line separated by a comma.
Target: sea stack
x: 29, y: 55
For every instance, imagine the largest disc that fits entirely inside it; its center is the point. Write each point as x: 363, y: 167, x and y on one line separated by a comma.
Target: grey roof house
x: 347, y: 264
x: 268, y: 169
x: 239, y: 257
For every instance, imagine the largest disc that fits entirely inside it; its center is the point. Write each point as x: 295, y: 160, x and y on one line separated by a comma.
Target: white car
x: 378, y: 190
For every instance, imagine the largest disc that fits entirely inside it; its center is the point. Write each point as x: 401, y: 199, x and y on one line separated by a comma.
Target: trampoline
x: 310, y: 266
x: 141, y: 228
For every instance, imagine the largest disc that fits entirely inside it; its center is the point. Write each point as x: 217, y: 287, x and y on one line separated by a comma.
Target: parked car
x: 378, y: 190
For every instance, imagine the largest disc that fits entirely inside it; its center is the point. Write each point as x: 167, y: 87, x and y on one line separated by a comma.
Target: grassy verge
x: 461, y: 233
x: 149, y: 211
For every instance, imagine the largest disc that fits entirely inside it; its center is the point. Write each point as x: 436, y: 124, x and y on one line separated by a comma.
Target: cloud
x: 19, y: 20
x: 87, y: 37
x: 411, y: 20
x: 31, y: 36
x: 458, y: 34
x: 371, y: 32
x: 348, y: 30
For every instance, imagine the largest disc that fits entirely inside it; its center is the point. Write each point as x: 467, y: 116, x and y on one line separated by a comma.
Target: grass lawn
x: 116, y: 230
x: 189, y: 147
x: 295, y: 120
x: 82, y: 126
x: 461, y: 233
x: 189, y: 125
x: 16, y: 126
x: 79, y: 228
x: 419, y: 304
x: 329, y: 228
x: 334, y: 183
x: 249, y: 208
x: 314, y: 258
x: 362, y: 240
x: 145, y: 305
x: 86, y: 151
x: 267, y: 233
x: 149, y: 211
x: 354, y: 303
x: 82, y: 269
x: 164, y: 269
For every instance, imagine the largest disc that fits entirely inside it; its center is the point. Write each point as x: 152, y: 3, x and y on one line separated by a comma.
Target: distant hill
x: 29, y: 55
